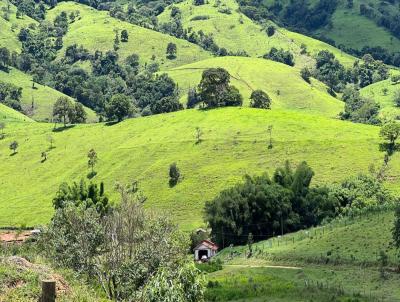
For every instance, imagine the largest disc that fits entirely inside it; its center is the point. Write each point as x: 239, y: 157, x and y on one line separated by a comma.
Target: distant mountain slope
x: 43, y: 97
x: 283, y: 83
x: 8, y: 114
x: 234, y: 143
x: 95, y: 31
x: 235, y: 32
x: 350, y: 28
x: 9, y: 29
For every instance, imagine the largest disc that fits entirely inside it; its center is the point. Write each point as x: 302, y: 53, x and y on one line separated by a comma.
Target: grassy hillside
x: 236, y: 32
x: 343, y: 256
x: 11, y: 27
x: 364, y: 31
x: 95, y: 31
x: 351, y: 29
x: 43, y: 97
x: 234, y: 143
x: 384, y: 98
x: 283, y: 83
x: 8, y: 114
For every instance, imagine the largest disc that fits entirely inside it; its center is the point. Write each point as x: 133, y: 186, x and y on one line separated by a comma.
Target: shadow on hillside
x: 90, y: 175
x: 14, y: 153
x: 61, y: 129
x: 111, y: 123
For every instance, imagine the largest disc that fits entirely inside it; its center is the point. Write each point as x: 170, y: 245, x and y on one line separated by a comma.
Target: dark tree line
x: 263, y: 206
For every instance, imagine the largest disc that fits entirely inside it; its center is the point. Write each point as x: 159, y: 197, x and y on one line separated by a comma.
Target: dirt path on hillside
x: 263, y: 266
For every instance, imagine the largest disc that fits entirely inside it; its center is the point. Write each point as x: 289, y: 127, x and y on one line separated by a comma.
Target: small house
x: 205, y: 250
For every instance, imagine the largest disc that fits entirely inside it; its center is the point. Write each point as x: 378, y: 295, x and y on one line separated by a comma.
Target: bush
x: 201, y: 17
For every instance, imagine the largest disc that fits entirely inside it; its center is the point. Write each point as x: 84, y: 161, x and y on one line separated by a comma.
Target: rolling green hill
x: 283, y: 83
x: 236, y: 32
x: 11, y: 27
x: 95, y: 31
x: 383, y: 92
x: 234, y: 143
x: 43, y: 97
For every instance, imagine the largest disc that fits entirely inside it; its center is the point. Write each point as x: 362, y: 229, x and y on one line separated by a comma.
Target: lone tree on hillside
x: 171, y: 50
x: 92, y: 155
x: 260, y: 99
x: 214, y: 89
x: 14, y: 146
x: 269, y: 130
x: 306, y: 74
x: 61, y: 109
x: 44, y: 156
x: 174, y: 175
x: 77, y: 114
x: 198, y: 135
x: 124, y: 35
x: 390, y: 132
x: 118, y: 107
x: 2, y: 127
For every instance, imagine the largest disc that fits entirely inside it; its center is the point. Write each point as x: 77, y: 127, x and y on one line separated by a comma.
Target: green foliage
x: 260, y: 99
x: 358, y: 108
x: 306, y: 74
x: 66, y: 111
x: 211, y: 266
x: 214, y: 89
x: 119, y: 107
x: 10, y: 95
x: 171, y: 51
x: 174, y: 174
x: 263, y: 207
x: 280, y: 55
x: 360, y: 192
x: 14, y: 146
x: 131, y: 253
x: 184, y: 283
x: 83, y: 195
x: 390, y: 132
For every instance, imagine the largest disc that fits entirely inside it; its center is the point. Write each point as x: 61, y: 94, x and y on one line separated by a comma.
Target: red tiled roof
x: 209, y: 244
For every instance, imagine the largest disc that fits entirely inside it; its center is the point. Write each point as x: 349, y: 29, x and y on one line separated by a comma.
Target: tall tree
x: 61, y: 109
x: 124, y: 35
x: 4, y: 57
x: 92, y: 155
x: 118, y: 107
x: 171, y: 50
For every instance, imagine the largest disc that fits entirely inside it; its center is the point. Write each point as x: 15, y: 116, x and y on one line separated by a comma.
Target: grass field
x: 282, y: 83
x: 43, y: 97
x: 10, y: 28
x: 386, y: 100
x: 95, y: 31
x: 236, y: 32
x: 234, y: 143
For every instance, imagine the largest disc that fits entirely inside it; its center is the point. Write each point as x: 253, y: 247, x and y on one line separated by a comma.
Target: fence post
x: 48, y: 291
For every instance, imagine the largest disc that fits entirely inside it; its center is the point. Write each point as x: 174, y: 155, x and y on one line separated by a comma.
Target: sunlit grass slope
x: 352, y: 29
x: 384, y: 92
x: 95, y: 31
x: 234, y: 143
x: 282, y: 83
x: 8, y: 114
x: 9, y: 29
x: 43, y: 97
x: 236, y: 32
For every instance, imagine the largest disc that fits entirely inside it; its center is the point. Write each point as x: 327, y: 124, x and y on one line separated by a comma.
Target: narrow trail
x: 263, y: 266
